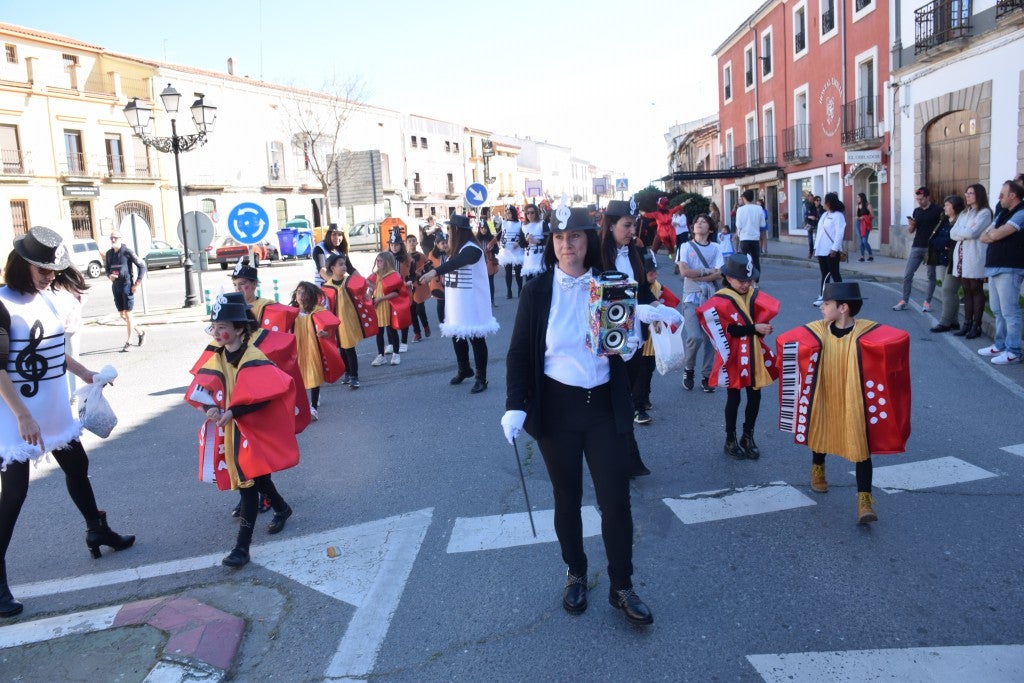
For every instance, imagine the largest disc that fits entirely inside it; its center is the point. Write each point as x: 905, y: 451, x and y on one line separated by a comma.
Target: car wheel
x: 223, y: 266
x: 94, y: 269
x: 255, y: 260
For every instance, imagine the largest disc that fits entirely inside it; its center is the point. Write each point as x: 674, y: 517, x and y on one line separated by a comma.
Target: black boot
x: 9, y: 607
x: 239, y: 557
x: 100, y: 534
x: 749, y: 447
x: 974, y: 332
x: 964, y: 329
x: 732, y: 449
x: 479, y: 385
x: 462, y: 374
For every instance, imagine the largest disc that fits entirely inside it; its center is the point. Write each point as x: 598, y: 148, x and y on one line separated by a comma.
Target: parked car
x: 86, y: 257
x: 163, y: 255
x: 226, y: 251
x: 364, y: 236
x: 267, y: 251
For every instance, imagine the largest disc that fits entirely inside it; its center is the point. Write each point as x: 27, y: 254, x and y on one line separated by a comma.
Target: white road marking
x: 927, y: 474
x: 41, y: 630
x: 180, y: 672
x: 989, y: 663
x: 710, y: 506
x: 471, y: 534
x: 1016, y: 449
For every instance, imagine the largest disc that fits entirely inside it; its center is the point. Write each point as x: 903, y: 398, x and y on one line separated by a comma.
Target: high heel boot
x: 9, y: 607
x: 100, y: 534
x: 964, y: 329
x: 974, y: 332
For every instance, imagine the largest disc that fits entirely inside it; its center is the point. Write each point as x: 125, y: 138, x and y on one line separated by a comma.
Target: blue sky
x: 606, y: 78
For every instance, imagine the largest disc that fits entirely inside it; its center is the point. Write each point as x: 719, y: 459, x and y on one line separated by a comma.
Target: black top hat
x: 43, y: 248
x: 740, y: 267
x: 620, y: 208
x: 244, y: 270
x: 459, y: 221
x: 841, y: 291
x: 396, y: 235
x: 650, y: 262
x: 230, y: 307
x: 578, y: 219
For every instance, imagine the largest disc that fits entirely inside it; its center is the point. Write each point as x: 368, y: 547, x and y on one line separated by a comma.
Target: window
x: 208, y: 206
x: 10, y: 150
x: 281, y: 209
x: 766, y: 55
x: 19, y: 216
x: 423, y: 143
x: 417, y: 187
x: 71, y: 69
x: 115, y: 155
x: 728, y: 151
x: 81, y: 220
x: 12, y: 53
x: 859, y: 5
x: 417, y: 212
x: 748, y: 67
x: 800, y: 30
x: 142, y: 169
x: 863, y: 7
x: 73, y: 149
x: 727, y: 82
x: 447, y: 146
x: 350, y: 215
x: 387, y: 208
x: 414, y: 140
x: 455, y: 147
x: 828, y: 17
x: 275, y: 150
x: 768, y: 136
x: 451, y: 184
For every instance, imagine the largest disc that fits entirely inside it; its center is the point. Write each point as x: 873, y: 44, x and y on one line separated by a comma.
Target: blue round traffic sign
x: 476, y: 194
x: 248, y: 223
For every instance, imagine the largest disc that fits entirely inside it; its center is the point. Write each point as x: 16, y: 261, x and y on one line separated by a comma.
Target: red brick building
x: 802, y: 106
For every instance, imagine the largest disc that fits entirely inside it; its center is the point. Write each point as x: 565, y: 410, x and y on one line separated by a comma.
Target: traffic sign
x: 200, y: 231
x: 534, y: 188
x: 622, y: 184
x: 248, y: 223
x: 135, y: 233
x: 600, y: 186
x: 476, y: 194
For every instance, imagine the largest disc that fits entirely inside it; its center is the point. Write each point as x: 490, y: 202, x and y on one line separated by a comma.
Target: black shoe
x: 647, y: 405
x: 478, y: 386
x: 942, y: 328
x: 705, y: 387
x: 346, y: 378
x: 353, y: 383
x: 974, y: 333
x: 641, y: 417
x: 426, y: 330
x: 237, y: 511
x: 509, y: 295
x: 460, y: 375
x: 688, y: 380
x: 9, y: 607
x: 733, y: 450
x: 964, y: 329
x: 141, y: 336
x: 637, y: 613
x: 749, y: 447
x: 99, y: 534
x: 239, y: 557
x: 280, y: 518
x: 574, y: 597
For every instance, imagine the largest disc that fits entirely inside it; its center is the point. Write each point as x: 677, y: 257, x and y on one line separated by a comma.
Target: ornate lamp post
x: 203, y: 115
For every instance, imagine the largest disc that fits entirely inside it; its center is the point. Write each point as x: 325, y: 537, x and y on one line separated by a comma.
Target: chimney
x: 231, y: 66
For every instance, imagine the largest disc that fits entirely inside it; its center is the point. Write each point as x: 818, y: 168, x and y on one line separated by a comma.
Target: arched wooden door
x: 140, y: 208
x: 952, y: 154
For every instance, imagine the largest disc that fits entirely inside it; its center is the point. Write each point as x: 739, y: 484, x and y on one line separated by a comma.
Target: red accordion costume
x: 738, y: 362
x: 401, y: 312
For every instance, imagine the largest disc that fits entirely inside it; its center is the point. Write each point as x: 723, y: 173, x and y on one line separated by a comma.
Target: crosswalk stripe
x: 1016, y: 449
x: 471, y: 534
x: 927, y: 474
x: 710, y: 506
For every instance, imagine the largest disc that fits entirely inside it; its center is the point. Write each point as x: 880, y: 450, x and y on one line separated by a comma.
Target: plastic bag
x: 93, y: 408
x: 668, y: 348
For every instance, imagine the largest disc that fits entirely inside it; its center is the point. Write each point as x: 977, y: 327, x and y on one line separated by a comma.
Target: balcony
x: 861, y: 127
x: 828, y: 20
x: 941, y: 25
x: 796, y: 144
x: 1010, y: 11
x: 117, y: 169
x: 799, y: 42
x: 12, y: 162
x: 75, y: 166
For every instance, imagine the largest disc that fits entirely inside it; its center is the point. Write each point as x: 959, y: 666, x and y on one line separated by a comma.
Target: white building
x: 435, y: 166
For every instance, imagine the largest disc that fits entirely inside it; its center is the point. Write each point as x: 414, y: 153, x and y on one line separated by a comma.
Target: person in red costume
x: 245, y: 398
x: 666, y: 232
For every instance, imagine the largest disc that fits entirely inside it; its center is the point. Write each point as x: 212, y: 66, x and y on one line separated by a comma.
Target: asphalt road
x: 436, y: 576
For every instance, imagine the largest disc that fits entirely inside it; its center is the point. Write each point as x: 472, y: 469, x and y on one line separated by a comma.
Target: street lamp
x: 203, y: 115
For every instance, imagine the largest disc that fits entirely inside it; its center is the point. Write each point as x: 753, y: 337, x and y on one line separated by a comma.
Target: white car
x: 87, y: 258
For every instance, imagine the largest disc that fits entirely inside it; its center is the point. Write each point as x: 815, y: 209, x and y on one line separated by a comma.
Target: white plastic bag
x: 668, y: 348
x: 93, y: 408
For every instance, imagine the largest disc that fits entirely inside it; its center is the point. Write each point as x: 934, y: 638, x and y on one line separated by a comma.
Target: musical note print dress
x: 37, y: 367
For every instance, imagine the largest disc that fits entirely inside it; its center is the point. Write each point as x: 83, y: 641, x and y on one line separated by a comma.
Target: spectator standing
x: 1004, y: 266
x: 812, y: 206
x: 125, y: 270
x: 940, y: 253
x: 700, y: 263
x: 921, y: 225
x: 749, y: 221
x: 865, y: 222
x: 969, y: 257
x: 829, y: 242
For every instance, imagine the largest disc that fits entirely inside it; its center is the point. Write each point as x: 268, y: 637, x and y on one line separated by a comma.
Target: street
x: 435, y: 575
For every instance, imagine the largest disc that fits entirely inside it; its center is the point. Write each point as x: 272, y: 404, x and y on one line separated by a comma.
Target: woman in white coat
x: 828, y: 244
x: 969, y: 257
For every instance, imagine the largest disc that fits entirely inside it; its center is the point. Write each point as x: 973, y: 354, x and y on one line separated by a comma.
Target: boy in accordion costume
x: 845, y: 389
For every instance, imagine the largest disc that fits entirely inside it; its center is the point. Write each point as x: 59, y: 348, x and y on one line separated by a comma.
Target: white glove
x: 647, y: 313
x: 512, y: 423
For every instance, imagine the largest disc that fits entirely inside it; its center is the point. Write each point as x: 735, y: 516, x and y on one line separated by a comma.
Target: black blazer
x: 524, y: 364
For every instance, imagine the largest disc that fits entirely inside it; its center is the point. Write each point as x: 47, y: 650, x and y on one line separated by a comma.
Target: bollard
x: 277, y: 294
x: 209, y: 307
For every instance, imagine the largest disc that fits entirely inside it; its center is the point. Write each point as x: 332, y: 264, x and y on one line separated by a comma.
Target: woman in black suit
x: 576, y: 404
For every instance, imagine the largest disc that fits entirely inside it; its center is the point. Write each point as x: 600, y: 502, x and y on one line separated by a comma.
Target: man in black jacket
x: 921, y: 225
x: 125, y: 270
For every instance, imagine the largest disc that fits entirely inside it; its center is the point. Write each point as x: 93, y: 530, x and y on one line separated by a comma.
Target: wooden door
x: 952, y: 154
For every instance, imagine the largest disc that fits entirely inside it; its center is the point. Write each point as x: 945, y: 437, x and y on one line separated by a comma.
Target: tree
x: 317, y: 121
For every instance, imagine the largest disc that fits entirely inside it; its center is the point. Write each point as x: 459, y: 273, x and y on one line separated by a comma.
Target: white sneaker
x: 818, y: 302
x: 901, y: 306
x: 1006, y: 358
x: 402, y: 348
x: 395, y: 359
x: 378, y: 361
x: 990, y: 351
x: 313, y: 414
x: 389, y: 349
x: 926, y: 307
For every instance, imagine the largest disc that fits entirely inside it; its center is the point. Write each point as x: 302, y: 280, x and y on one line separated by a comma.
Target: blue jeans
x: 914, y: 260
x: 695, y: 341
x: 864, y: 246
x: 1003, y: 299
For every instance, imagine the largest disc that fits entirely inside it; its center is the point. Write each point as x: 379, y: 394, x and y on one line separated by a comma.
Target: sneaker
x: 818, y: 302
x: 641, y: 417
x: 346, y: 378
x: 990, y: 351
x: 354, y: 384
x: 426, y: 330
x: 313, y: 415
x: 378, y: 361
x: 688, y: 379
x: 871, y: 258
x: 861, y: 258
x: 417, y: 337
x: 1006, y: 358
x: 901, y: 306
x: 389, y: 349
x: 402, y: 348
x: 926, y: 307
x: 395, y: 359
x: 705, y: 387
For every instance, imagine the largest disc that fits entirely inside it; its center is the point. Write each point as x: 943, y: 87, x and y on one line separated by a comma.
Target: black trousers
x: 511, y: 270
x: 640, y: 369
x: 828, y: 265
x: 392, y: 339
x: 753, y: 248
x: 573, y: 429
x: 419, y: 317
x: 732, y: 409
x: 351, y: 361
x: 864, y: 470
x: 479, y: 355
x: 263, y: 485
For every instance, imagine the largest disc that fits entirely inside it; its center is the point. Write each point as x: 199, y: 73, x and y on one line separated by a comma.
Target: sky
x: 607, y: 78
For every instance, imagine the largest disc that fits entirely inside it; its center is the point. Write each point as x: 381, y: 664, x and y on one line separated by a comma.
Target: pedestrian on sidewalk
x: 1004, y: 266
x: 969, y: 257
x: 812, y: 206
x: 829, y: 242
x: 921, y: 225
x: 700, y: 263
x: 35, y: 416
x: 125, y: 270
x: 249, y: 429
x: 737, y: 319
x: 940, y: 253
x: 749, y: 221
x: 763, y: 240
x: 865, y: 224
x: 845, y: 389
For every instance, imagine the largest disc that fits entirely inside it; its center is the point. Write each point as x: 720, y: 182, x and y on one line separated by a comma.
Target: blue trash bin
x: 286, y: 239
x: 303, y: 243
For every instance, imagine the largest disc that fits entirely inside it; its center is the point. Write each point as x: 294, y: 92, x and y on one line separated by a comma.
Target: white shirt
x: 831, y: 227
x: 693, y: 290
x: 749, y: 220
x: 622, y: 262
x: 679, y: 221
x: 566, y: 356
